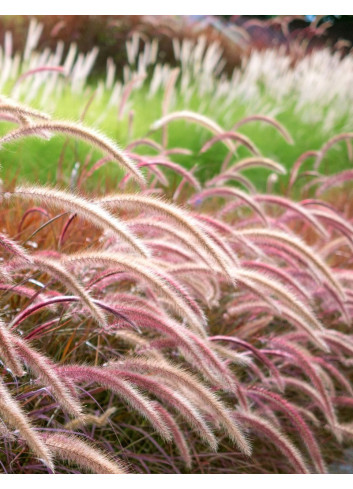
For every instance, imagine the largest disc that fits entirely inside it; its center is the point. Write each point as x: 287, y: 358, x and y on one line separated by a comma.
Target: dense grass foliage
x: 311, y: 98
x: 183, y: 304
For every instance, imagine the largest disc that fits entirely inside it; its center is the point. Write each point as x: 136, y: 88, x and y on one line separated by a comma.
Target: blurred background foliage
x: 237, y: 35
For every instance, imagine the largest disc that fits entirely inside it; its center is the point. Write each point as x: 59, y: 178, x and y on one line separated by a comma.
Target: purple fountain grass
x: 144, y: 142
x: 179, y: 189
x: 179, y: 216
x: 152, y: 170
x: 338, y: 340
x: 40, y: 69
x: 59, y: 299
x: 14, y: 248
x: 302, y: 386
x: 200, y: 354
x: 229, y: 232
x: 342, y: 306
x: 233, y: 136
x: 174, y: 399
x: 281, y: 274
x: 222, y: 244
x: 196, y: 270
x: 42, y: 329
x: 329, y: 144
x: 337, y: 222
x: 86, y: 174
x: 343, y: 401
x: 77, y: 130
x: 230, y: 192
x: 205, y: 398
x: 335, y: 180
x: 281, y: 442
x: 183, y: 292
x: 178, y: 151
x: 236, y: 309
x: 139, y: 344
x: 82, y: 207
x: 168, y: 252
x: 318, y: 203
x: 195, y: 348
x: 192, y: 117
x: 312, y: 260
x: 44, y: 369
x: 178, y: 437
x: 232, y: 357
x: 57, y: 269
x: 170, y: 165
x: 208, y: 319
x: 74, y: 450
x: 122, y: 388
x: 256, y: 352
x: 152, y: 275
x: 208, y: 291
x: 161, y: 227
x: 335, y: 374
x: 282, y: 293
x: 303, y: 361
x: 300, y: 323
x: 232, y: 172
x: 24, y: 291
x: 65, y: 228
x: 8, y: 352
x: 295, y: 208
x: 293, y: 414
x: 294, y: 172
x: 237, y: 177
x: 40, y: 210
x: 268, y: 120
x: 346, y: 430
x: 21, y: 113
x: 12, y: 413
